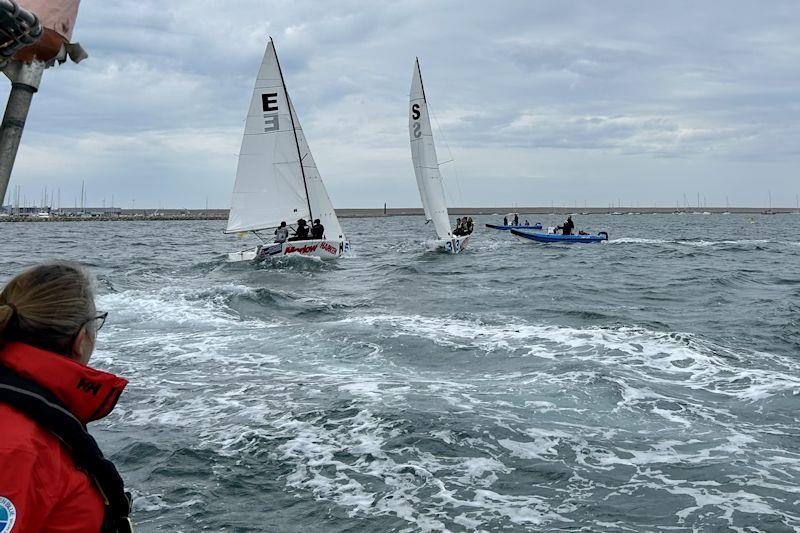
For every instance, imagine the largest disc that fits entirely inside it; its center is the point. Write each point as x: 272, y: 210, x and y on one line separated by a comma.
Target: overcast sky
x: 537, y: 102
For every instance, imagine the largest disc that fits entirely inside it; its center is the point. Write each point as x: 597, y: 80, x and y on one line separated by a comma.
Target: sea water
x: 650, y: 383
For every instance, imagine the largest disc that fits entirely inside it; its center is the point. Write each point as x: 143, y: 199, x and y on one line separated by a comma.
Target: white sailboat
x: 277, y: 179
x: 426, y: 169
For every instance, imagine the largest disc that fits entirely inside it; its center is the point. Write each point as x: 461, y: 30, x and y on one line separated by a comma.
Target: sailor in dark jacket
x: 568, y: 226
x: 301, y: 233
x: 317, y: 230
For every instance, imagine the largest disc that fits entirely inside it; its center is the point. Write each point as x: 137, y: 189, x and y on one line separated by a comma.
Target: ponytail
x: 7, y: 312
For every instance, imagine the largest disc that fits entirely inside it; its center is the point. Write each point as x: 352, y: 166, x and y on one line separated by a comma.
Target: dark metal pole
x: 25, y: 79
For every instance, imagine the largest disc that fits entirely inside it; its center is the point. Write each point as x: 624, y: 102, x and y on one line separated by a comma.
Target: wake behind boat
x: 426, y: 169
x: 277, y: 179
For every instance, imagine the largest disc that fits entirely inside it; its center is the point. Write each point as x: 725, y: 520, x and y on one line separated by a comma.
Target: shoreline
x: 222, y: 214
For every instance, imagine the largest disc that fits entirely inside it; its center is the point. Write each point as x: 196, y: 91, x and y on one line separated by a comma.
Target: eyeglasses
x: 98, y: 320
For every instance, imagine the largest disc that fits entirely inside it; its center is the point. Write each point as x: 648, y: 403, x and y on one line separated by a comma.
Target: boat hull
x: 501, y: 227
x: 534, y: 236
x: 449, y: 246
x: 324, y: 249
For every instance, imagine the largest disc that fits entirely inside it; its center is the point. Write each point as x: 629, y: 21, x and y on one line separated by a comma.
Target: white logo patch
x: 8, y: 515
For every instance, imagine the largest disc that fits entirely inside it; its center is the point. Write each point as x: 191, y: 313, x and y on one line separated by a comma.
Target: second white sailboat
x: 426, y: 169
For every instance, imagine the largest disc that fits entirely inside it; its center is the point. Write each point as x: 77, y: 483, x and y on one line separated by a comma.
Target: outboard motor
x: 603, y: 233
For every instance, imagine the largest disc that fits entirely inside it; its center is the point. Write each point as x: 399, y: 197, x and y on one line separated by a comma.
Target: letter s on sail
x: 415, y: 111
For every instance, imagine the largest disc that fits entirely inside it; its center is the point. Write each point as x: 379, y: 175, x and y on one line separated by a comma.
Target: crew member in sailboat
x: 282, y: 233
x: 464, y: 226
x: 317, y: 230
x: 301, y: 233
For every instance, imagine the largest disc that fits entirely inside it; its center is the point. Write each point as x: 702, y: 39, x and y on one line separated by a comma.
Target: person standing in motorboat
x: 505, y: 221
x: 470, y: 226
x: 317, y: 230
x: 301, y: 233
x: 53, y: 475
x: 568, y: 226
x: 516, y: 219
x: 282, y: 233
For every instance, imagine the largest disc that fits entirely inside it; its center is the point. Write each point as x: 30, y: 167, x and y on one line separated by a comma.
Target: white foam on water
x: 370, y: 389
x: 351, y: 461
x: 425, y: 490
x: 702, y: 243
x: 173, y: 305
x: 661, y: 357
x: 536, y: 449
x: 634, y: 240
x: 682, y: 242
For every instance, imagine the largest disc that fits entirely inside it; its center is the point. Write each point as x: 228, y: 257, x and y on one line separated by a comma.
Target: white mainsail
x: 276, y: 178
x: 423, y: 153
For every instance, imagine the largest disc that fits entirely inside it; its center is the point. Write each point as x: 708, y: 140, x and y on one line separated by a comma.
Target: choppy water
x: 651, y: 383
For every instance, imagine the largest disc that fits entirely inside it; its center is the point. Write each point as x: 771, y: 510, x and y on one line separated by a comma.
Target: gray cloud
x: 648, y: 99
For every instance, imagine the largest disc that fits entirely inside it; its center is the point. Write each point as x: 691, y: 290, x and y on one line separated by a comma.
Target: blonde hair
x: 46, y: 306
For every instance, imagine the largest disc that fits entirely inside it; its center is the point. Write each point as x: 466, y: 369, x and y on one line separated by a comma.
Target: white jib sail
x: 271, y: 186
x: 423, y: 154
x: 321, y: 206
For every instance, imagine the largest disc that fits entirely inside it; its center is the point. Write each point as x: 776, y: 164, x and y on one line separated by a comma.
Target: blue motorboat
x: 539, y: 236
x: 510, y: 227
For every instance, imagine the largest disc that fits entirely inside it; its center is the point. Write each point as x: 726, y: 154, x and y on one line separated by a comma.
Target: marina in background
x: 46, y: 214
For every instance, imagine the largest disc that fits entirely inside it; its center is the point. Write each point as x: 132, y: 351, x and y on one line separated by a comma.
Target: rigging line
x: 449, y: 152
x: 294, y: 129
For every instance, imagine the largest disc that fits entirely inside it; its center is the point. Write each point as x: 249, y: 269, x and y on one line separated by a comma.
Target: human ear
x: 83, y: 346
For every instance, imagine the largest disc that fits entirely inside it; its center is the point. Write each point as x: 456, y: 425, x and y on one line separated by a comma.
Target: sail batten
x: 423, y: 154
x: 276, y: 177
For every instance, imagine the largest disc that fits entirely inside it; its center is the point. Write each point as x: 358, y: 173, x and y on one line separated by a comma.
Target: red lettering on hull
x: 307, y: 249
x: 328, y: 248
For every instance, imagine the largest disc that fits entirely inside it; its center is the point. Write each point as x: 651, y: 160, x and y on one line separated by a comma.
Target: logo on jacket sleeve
x: 8, y: 515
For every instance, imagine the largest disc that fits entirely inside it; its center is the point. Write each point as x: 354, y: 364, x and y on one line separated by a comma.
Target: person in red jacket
x: 53, y: 476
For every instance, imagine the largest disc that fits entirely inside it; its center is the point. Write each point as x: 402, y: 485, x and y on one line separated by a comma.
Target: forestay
x: 320, y: 202
x: 423, y: 153
x: 276, y: 178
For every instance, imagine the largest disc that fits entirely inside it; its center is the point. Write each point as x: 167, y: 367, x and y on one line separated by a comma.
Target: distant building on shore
x: 88, y: 211
x: 44, y: 212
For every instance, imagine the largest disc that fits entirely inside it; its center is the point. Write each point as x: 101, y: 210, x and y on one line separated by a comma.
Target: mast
x: 294, y: 131
x: 421, y: 85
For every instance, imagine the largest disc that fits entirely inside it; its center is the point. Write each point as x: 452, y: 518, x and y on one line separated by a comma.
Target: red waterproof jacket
x: 41, y: 490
